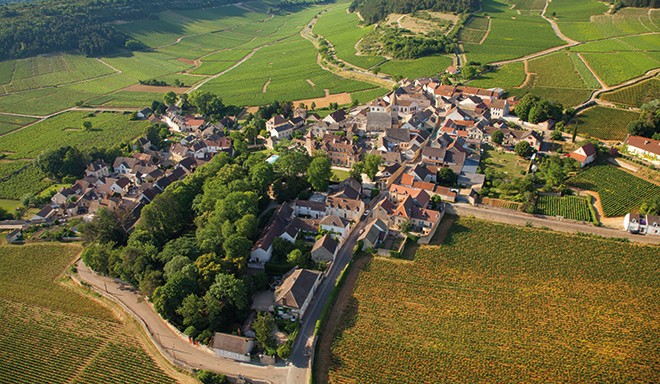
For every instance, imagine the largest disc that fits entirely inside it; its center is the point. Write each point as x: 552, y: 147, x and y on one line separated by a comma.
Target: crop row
x: 500, y: 303
x: 570, y: 207
x: 605, y: 123
x: 636, y: 95
x: 21, y: 181
x: 620, y: 192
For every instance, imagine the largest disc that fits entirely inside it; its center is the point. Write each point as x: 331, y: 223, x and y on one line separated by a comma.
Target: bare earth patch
x: 264, y: 89
x: 154, y: 89
x: 311, y: 83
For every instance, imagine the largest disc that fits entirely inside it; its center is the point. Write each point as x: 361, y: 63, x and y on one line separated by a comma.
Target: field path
x: 528, y: 76
x: 264, y: 89
x: 555, y: 27
x: 108, y: 65
x: 596, y: 94
x: 602, y: 83
x: 490, y: 22
x: 241, y: 61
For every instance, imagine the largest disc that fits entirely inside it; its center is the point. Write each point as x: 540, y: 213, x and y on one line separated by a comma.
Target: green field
x: 341, y: 29
x: 499, y: 303
x: 51, y: 333
x: 636, y: 95
x: 24, y: 180
x: 512, y: 35
x: 604, y: 123
x: 615, y: 68
x: 620, y: 192
x: 569, y: 207
x: 560, y: 76
x: 507, y: 76
x: 108, y: 130
x: 586, y: 20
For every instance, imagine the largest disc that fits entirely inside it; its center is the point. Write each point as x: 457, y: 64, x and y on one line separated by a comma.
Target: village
x: 425, y: 139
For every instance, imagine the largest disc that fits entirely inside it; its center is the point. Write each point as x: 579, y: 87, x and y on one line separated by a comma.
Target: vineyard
x: 605, y: 123
x: 499, y: 303
x: 569, y: 207
x: 21, y: 178
x: 637, y: 94
x: 620, y: 192
x: 498, y: 203
x: 49, y: 333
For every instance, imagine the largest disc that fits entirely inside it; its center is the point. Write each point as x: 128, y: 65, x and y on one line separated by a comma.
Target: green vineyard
x: 620, y: 192
x: 570, y: 207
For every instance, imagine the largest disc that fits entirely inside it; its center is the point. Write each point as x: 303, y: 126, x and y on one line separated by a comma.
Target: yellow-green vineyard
x: 498, y: 303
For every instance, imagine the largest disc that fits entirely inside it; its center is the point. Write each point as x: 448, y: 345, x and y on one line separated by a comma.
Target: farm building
x: 644, y: 147
x: 325, y: 249
x: 232, y: 347
x: 584, y: 155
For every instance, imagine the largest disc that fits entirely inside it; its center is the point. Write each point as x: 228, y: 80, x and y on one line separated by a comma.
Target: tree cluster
x: 71, y: 162
x: 648, y: 124
x: 374, y: 11
x: 31, y: 28
x: 535, y: 110
x: 397, y: 44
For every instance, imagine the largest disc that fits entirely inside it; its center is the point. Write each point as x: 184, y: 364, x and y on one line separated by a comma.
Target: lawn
x: 108, y: 130
x: 635, y: 95
x: 499, y: 303
x: 10, y: 205
x: 605, y: 123
x: 620, y: 192
x: 501, y: 161
x: 51, y: 333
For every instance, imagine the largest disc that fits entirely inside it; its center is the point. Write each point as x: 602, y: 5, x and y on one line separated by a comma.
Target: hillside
x: 373, y: 11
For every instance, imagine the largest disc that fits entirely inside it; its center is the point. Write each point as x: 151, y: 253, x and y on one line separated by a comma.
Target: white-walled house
x: 292, y: 298
x: 232, y: 347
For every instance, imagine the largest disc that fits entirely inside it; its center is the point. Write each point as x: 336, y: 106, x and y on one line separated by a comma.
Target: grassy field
x: 605, y: 123
x: 509, y: 163
x: 636, y: 95
x: 51, y: 333
x: 498, y: 303
x: 569, y: 207
x: 12, y: 123
x: 512, y: 35
x: 108, y: 129
x: 620, y: 192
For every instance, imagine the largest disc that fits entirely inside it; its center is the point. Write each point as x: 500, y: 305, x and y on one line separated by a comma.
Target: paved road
x: 519, y: 218
x: 176, y: 349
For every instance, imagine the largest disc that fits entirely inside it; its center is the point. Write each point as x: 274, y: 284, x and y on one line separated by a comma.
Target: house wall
x: 338, y: 230
x: 232, y: 355
x: 261, y: 256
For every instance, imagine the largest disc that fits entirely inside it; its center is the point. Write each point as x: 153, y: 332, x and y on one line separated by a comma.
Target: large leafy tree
x: 319, y: 173
x: 372, y: 164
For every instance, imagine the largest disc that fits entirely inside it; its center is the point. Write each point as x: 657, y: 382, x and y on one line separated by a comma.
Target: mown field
x: 108, y: 130
x: 569, y: 207
x: 619, y: 191
x: 50, y: 333
x: 512, y: 35
x: 498, y: 303
x: 604, y: 123
x: 507, y: 77
x: 636, y: 95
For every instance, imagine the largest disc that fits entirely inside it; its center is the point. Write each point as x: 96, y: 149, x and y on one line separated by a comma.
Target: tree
x: 229, y: 290
x: 107, y: 227
x: 319, y: 173
x: 193, y: 312
x: 248, y: 226
x: 170, y: 98
x: 556, y: 135
x: 312, y: 106
x: 263, y: 328
x: 262, y: 176
x: 296, y: 257
x: 405, y: 226
x: 87, y: 126
x: 651, y: 206
x: 447, y: 177
x: 207, y: 377
x: 168, y: 298
x: 371, y: 165
x: 175, y: 265
x: 237, y: 247
x: 100, y: 257
x: 356, y: 170
x: 497, y: 137
x: 523, y: 149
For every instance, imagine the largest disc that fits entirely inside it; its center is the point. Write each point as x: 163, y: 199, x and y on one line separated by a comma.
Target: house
x: 325, y: 248
x: 282, y: 131
x: 642, y: 224
x: 335, y: 117
x: 14, y: 237
x: 340, y: 150
x: 282, y: 225
x: 335, y: 224
x: 451, y: 70
x: 584, y: 155
x: 350, y: 209
x: 63, y: 196
x: 378, y: 121
x: 499, y: 108
x: 374, y: 234
x: 232, y: 347
x: 97, y: 169
x: 46, y: 213
x: 643, y: 147
x: 296, y: 292
x: 179, y: 151
x: 143, y: 143
x: 309, y: 208
x: 143, y: 113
